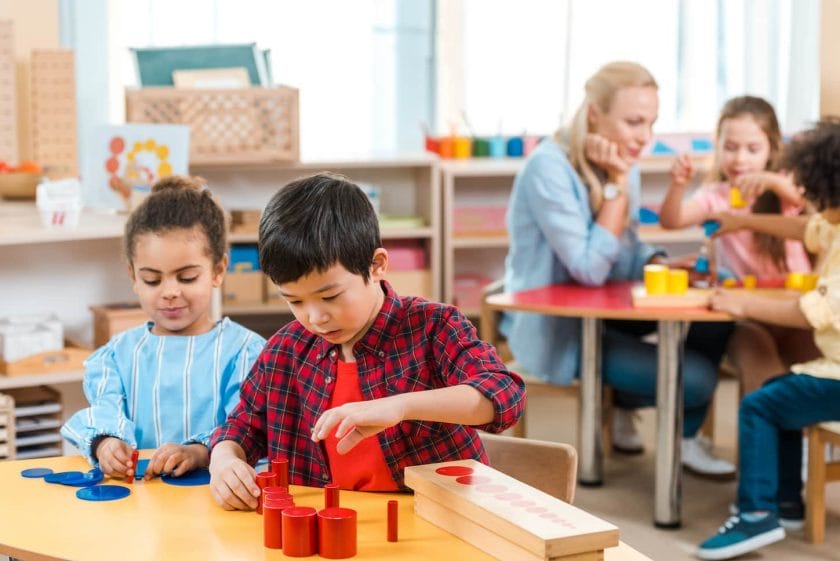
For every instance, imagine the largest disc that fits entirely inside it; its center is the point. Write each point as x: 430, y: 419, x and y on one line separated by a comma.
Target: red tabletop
x: 610, y: 301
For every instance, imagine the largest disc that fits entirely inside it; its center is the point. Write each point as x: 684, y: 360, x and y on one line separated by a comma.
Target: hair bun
x: 179, y: 183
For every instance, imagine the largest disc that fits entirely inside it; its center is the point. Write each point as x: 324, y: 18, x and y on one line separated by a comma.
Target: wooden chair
x: 550, y: 467
x: 820, y: 472
x: 489, y: 331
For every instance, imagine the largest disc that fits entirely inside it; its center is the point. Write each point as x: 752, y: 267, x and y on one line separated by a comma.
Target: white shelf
x: 26, y: 381
x: 20, y: 224
x: 342, y: 162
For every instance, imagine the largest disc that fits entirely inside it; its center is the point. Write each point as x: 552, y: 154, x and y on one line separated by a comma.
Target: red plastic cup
x: 273, y: 508
x: 264, y: 479
x: 337, y: 533
x: 393, y: 517
x: 331, y: 495
x: 280, y: 466
x: 299, y: 531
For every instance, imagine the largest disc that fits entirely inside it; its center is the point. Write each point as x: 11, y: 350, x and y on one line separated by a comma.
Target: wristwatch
x: 612, y: 191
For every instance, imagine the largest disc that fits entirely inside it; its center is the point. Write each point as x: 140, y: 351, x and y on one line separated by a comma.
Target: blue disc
x: 195, y: 477
x: 92, y: 477
x: 34, y: 473
x: 61, y: 476
x: 103, y: 493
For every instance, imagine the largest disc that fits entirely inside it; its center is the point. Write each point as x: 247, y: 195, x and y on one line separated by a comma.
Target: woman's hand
x: 682, y: 171
x: 728, y: 223
x: 604, y: 153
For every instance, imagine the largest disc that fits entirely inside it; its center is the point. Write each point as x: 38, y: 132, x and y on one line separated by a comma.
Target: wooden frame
x: 820, y: 472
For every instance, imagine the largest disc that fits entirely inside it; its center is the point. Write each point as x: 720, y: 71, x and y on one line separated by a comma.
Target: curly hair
x: 814, y: 158
x: 179, y: 202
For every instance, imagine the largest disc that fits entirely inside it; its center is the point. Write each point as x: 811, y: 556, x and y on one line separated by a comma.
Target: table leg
x: 590, y: 442
x: 669, y: 422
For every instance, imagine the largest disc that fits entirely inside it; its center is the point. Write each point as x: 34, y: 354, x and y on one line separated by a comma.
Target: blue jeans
x: 770, y: 423
x: 629, y: 366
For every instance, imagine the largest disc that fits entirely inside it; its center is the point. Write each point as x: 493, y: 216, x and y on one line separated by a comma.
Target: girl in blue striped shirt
x: 168, y: 383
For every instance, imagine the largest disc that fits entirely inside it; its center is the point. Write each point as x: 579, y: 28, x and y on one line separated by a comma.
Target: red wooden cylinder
x: 299, y: 531
x: 277, y: 491
x: 280, y: 466
x: 331, y: 495
x: 273, y: 508
x: 393, y: 517
x: 337, y: 533
x: 264, y: 479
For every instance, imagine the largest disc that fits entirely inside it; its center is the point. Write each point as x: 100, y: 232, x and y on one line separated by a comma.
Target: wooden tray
x: 69, y: 358
x: 693, y: 298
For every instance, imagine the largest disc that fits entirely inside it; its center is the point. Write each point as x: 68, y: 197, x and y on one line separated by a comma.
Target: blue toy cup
x: 497, y: 147
x: 515, y: 147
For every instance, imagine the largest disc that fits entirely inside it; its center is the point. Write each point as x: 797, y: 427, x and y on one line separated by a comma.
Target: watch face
x: 611, y: 191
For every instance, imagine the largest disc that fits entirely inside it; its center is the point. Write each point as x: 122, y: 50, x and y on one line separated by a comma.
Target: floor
x: 626, y: 498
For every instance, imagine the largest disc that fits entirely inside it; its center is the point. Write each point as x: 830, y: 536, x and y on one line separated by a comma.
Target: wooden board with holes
x: 501, y: 508
x: 698, y: 297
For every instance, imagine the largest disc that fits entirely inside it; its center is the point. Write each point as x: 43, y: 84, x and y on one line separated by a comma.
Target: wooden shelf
x: 469, y: 242
x: 343, y: 162
x: 386, y: 233
x: 20, y: 224
x: 9, y: 382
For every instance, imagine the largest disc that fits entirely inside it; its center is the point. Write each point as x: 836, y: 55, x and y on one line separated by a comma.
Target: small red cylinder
x: 264, y: 479
x: 331, y: 495
x: 135, y: 454
x: 276, y: 491
x: 393, y: 514
x: 280, y: 466
x: 300, y: 531
x: 273, y: 508
x: 337, y: 533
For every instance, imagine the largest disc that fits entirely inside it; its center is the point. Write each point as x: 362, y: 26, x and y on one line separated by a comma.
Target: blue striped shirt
x: 149, y: 389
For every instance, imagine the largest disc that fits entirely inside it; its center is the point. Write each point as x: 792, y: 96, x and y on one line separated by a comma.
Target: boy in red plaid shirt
x: 364, y: 382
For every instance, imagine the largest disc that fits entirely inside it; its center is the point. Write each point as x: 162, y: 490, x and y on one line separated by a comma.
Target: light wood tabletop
x: 42, y: 521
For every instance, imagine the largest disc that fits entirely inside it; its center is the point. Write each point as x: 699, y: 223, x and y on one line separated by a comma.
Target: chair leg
x: 815, y: 488
x: 708, y: 427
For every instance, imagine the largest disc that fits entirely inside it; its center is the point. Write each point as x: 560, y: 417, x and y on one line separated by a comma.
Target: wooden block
x: 535, y: 521
x: 693, y: 298
x: 484, y: 538
x: 53, y: 112
x: 8, y: 94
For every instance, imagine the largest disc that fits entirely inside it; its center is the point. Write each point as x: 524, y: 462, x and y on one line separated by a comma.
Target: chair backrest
x: 550, y: 467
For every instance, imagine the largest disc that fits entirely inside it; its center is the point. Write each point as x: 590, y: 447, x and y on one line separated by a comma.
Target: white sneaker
x: 625, y: 438
x: 697, y: 459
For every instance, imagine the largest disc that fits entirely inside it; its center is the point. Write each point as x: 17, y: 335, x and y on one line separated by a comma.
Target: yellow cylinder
x: 795, y: 280
x: 656, y: 279
x: 809, y: 281
x: 677, y: 281
x: 750, y: 281
x: 735, y: 199
x: 463, y: 147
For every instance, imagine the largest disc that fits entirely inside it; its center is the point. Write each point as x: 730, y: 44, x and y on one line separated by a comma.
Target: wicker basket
x: 234, y: 125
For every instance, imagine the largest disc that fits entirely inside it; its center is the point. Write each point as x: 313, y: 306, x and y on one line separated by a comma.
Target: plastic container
x: 59, y: 203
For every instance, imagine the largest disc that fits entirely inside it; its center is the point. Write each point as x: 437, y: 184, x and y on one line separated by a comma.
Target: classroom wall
x: 35, y: 27
x: 829, y: 61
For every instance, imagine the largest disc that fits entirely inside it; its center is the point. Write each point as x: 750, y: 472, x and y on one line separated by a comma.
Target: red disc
x: 473, y: 479
x: 454, y: 471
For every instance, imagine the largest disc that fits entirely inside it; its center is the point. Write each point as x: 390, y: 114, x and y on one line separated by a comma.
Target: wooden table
x: 42, y: 521
x: 614, y: 301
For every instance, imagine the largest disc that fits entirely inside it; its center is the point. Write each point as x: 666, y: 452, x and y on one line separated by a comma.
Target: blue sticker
x: 103, y: 493
x: 195, y: 477
x: 34, y: 473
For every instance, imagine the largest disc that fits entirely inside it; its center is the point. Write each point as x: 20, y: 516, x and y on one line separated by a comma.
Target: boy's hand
x: 731, y: 302
x: 114, y: 457
x: 682, y: 171
x: 177, y: 459
x: 358, y: 420
x: 604, y: 153
x: 233, y: 482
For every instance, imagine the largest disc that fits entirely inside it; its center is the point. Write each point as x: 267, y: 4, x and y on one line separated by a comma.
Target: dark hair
x: 768, y: 202
x: 315, y: 222
x: 814, y: 158
x: 179, y: 202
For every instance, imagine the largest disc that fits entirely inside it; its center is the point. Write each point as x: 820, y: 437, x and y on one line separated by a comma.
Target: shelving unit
x: 487, y: 183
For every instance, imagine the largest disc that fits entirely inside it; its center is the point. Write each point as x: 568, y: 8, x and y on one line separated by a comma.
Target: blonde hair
x: 600, y: 90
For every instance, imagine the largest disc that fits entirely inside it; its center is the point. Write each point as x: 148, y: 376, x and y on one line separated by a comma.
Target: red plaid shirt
x: 413, y: 345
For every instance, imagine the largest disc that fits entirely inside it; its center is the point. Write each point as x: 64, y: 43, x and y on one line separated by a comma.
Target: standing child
x: 166, y: 384
x: 771, y: 419
x: 748, y: 145
x: 364, y: 382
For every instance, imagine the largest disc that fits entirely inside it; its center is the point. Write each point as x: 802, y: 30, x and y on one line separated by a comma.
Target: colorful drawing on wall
x: 128, y: 159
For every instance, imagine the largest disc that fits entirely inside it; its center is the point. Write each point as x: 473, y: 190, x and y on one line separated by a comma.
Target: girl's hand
x: 754, y: 184
x: 114, y: 457
x: 731, y: 302
x: 682, y: 171
x: 358, y: 420
x: 177, y: 459
x: 728, y: 223
x: 604, y: 154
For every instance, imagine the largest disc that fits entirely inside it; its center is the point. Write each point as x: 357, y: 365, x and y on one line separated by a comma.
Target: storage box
x: 479, y: 221
x: 467, y: 291
x: 243, y: 287
x: 272, y: 292
x: 235, y: 125
x: 64, y: 360
x: 245, y: 221
x: 37, y: 420
x: 405, y: 255
x: 411, y: 283
x: 110, y: 319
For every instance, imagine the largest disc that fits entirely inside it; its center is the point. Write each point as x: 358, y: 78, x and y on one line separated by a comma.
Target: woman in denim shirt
x: 572, y: 217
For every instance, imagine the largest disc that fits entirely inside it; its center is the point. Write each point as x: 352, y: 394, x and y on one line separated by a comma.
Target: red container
x: 337, y: 533
x: 299, y: 531
x: 273, y: 508
x: 264, y: 479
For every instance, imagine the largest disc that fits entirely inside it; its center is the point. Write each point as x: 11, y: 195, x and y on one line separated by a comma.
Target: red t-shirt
x: 363, y: 468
